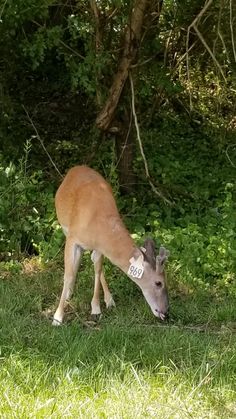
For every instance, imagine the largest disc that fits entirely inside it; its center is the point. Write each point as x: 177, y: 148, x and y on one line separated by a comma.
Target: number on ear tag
x: 136, y: 268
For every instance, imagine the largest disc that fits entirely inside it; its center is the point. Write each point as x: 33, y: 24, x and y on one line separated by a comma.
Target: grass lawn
x: 128, y: 365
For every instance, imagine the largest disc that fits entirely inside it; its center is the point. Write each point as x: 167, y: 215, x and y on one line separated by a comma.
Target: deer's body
x: 87, y: 212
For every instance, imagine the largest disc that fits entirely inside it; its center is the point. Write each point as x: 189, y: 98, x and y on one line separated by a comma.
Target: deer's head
x: 147, y: 271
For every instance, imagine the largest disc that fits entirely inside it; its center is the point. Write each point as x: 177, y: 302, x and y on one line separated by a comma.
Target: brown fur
x: 87, y: 212
x: 86, y: 207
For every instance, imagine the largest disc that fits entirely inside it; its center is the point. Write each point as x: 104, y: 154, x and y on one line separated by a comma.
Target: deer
x: 87, y: 212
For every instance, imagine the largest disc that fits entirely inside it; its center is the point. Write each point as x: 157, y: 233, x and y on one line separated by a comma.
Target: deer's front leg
x: 72, y: 256
x: 107, y: 295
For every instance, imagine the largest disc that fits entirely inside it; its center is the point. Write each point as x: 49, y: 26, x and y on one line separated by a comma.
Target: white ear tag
x: 136, y: 267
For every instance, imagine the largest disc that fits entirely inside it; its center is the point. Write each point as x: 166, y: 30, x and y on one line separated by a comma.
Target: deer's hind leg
x: 72, y: 257
x: 97, y: 259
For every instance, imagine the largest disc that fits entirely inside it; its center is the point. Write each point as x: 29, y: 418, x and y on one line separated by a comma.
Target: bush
x: 203, y: 255
x: 27, y: 218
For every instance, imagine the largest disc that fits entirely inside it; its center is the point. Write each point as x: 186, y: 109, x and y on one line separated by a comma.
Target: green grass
x: 127, y: 366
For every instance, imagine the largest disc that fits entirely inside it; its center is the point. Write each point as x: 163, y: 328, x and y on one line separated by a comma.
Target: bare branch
x: 126, y: 139
x: 144, y: 62
x: 201, y: 13
x: 227, y: 154
x: 195, y: 21
x: 169, y: 37
x: 187, y: 66
x: 71, y: 49
x: 219, y: 34
x: 41, y: 141
x: 209, y: 50
x: 112, y: 14
x: 2, y: 9
x: 155, y: 190
x: 194, y: 26
x: 184, y: 55
x: 224, y: 46
x: 218, y: 28
x: 231, y: 29
x: 98, y: 43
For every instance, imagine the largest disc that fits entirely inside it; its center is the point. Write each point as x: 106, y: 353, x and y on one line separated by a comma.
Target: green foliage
x: 186, y: 118
x: 198, y: 228
x: 42, y: 42
x: 27, y: 209
x: 204, y: 253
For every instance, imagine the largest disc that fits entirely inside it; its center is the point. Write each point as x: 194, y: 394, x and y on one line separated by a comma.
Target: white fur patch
x: 65, y: 229
x: 95, y: 256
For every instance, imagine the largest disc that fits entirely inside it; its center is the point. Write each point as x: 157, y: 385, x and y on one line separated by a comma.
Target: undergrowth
x: 198, y: 228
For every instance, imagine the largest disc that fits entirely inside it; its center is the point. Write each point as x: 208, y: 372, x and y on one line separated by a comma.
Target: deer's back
x: 85, y: 205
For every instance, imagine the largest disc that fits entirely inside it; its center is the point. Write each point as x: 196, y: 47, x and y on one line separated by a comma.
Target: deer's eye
x: 158, y: 284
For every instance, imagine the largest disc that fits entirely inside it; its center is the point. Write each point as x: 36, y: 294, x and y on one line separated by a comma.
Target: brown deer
x: 87, y: 212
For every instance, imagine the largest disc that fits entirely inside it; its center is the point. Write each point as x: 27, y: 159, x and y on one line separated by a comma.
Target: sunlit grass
x: 127, y: 367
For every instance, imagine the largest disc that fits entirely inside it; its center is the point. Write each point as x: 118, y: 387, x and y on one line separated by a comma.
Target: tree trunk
x: 108, y: 119
x: 131, y: 46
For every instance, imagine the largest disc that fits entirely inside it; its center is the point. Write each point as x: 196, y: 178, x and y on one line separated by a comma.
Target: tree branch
x: 131, y: 44
x: 155, y: 190
x: 209, y: 50
x: 194, y: 26
x: 41, y: 141
x: 2, y: 9
x: 232, y: 30
x: 98, y: 43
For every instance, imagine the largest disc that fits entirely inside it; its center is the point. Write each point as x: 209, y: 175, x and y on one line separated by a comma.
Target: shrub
x: 27, y: 217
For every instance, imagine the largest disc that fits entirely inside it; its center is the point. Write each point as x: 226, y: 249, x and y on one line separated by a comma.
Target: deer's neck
x: 121, y: 245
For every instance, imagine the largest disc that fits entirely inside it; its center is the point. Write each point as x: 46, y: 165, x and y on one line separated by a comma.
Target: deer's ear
x: 150, y: 247
x: 138, y: 254
x: 149, y: 252
x: 161, y: 259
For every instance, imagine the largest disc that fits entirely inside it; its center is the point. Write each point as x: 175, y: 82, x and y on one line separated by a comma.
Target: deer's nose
x: 163, y: 316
